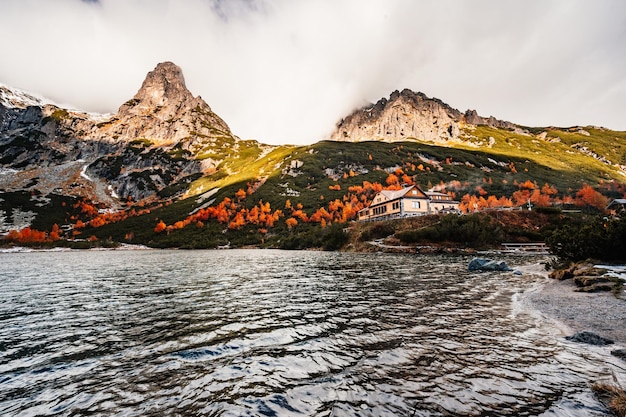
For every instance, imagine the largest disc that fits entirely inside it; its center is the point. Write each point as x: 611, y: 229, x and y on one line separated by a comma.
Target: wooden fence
x: 537, y: 247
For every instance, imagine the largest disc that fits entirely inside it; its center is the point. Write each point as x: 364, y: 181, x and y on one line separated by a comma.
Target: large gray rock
x: 589, y: 338
x: 481, y: 264
x: 619, y: 353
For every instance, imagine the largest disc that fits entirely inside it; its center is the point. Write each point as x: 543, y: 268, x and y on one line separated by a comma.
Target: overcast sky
x: 285, y: 71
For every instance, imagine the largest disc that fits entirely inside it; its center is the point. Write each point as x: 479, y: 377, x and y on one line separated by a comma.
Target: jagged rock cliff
x: 162, y: 136
x: 409, y: 115
x: 11, y: 102
x: 36, y: 136
x: 166, y: 112
x: 170, y: 136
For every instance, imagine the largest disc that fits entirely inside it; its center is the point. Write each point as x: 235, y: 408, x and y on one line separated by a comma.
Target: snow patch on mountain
x: 13, y: 98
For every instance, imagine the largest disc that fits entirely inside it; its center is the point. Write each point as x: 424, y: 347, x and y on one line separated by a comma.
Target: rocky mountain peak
x: 165, y: 111
x: 163, y: 86
x: 409, y: 115
x: 161, y: 136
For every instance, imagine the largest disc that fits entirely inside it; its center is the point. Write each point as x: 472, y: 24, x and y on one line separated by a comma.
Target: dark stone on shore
x: 581, y: 269
x: 595, y: 283
x: 589, y: 338
x: 587, y: 270
x: 481, y: 264
x: 596, y: 288
x: 587, y: 281
x: 619, y: 353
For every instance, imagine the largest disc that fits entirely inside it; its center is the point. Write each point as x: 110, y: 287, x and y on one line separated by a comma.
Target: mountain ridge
x: 162, y: 136
x: 166, y: 146
x: 409, y: 115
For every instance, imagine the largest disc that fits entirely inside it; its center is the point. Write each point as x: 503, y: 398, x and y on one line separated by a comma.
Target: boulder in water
x: 619, y: 353
x: 589, y: 338
x: 481, y: 264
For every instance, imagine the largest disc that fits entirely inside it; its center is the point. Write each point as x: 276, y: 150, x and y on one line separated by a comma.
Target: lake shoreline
x: 601, y: 312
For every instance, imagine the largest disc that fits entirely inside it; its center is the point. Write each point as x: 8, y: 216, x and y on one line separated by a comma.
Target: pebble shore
x: 601, y: 313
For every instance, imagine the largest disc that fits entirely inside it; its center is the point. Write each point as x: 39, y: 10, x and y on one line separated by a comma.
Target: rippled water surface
x: 233, y: 333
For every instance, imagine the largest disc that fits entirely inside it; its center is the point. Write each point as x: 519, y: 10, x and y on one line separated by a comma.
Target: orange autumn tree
x: 522, y: 196
x: 470, y: 203
x: 55, y: 233
x: 347, y: 208
x: 393, y: 182
x: 322, y: 216
x: 300, y: 214
x: 26, y: 235
x: 495, y: 202
x: 366, y: 192
x: 540, y: 199
x: 407, y: 180
x: 92, y: 216
x: 588, y: 196
x: 291, y: 223
x: 231, y: 213
x: 528, y: 190
x: 481, y: 191
x: 540, y: 196
x: 238, y: 221
x: 241, y: 194
x: 160, y: 227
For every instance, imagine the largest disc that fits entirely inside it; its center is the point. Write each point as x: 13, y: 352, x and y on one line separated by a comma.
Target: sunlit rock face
x: 165, y: 111
x: 162, y: 136
x: 409, y: 115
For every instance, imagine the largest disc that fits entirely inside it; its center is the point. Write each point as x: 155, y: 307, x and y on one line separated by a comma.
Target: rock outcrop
x: 168, y: 135
x: 161, y: 137
x: 481, y: 264
x: 409, y: 115
x: 12, y: 103
x: 165, y: 111
x: 587, y: 277
x: 589, y: 338
x: 619, y: 353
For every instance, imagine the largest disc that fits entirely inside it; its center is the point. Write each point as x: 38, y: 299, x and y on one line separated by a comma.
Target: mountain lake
x: 281, y: 333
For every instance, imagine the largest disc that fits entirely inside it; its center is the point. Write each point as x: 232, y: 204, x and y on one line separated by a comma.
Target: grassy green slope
x: 252, y: 162
x: 566, y: 151
x: 304, y: 174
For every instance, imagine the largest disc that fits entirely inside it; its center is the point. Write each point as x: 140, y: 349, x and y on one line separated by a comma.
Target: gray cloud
x: 284, y: 71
